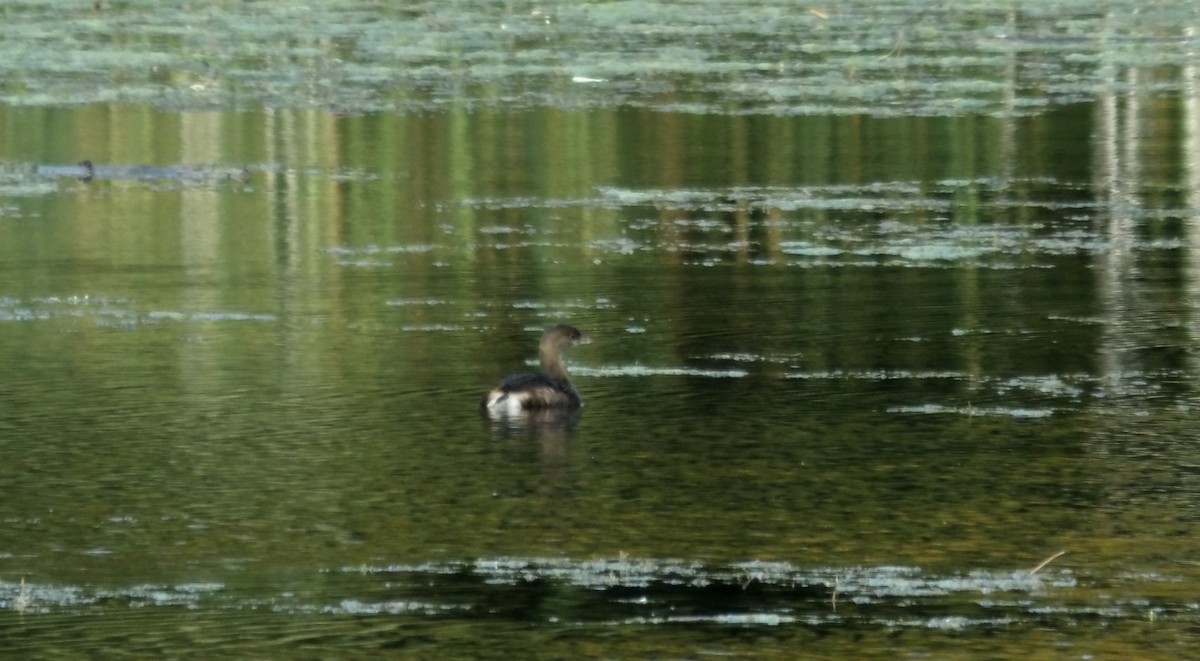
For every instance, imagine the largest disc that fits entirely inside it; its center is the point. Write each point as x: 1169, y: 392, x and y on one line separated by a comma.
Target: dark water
x: 865, y: 355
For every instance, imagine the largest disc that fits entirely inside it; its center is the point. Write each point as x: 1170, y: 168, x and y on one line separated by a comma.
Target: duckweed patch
x: 625, y: 591
x: 110, y: 312
x: 897, y: 58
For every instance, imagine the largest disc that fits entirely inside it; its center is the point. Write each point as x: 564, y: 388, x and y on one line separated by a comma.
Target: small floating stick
x: 1046, y: 562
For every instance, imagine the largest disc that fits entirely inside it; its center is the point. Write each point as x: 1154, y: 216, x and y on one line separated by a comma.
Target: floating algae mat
x: 626, y: 590
x: 878, y: 58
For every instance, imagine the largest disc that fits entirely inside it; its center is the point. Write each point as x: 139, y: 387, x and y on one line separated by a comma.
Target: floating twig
x: 1046, y: 562
x: 897, y: 48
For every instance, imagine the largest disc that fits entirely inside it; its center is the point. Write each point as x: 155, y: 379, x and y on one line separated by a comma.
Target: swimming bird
x: 549, y: 389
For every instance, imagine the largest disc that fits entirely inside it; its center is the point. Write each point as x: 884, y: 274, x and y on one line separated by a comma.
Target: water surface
x: 866, y: 354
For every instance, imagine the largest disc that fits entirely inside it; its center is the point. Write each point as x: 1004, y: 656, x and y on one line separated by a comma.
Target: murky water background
x: 891, y: 304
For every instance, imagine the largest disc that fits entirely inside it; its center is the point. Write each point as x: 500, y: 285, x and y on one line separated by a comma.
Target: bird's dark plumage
x: 551, y: 388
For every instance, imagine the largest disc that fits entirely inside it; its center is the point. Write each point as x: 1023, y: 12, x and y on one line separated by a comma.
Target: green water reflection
x: 855, y: 374
x: 836, y: 363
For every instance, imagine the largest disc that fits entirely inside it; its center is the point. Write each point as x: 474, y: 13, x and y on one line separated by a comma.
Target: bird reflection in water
x: 551, y: 427
x: 544, y: 405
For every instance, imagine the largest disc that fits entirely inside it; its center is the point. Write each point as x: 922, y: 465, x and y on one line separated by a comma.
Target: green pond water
x: 894, y: 311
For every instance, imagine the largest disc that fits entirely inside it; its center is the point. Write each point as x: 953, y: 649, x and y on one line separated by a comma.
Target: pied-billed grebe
x: 549, y: 389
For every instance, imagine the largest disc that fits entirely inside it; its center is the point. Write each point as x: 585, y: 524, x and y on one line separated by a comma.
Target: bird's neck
x: 552, y: 364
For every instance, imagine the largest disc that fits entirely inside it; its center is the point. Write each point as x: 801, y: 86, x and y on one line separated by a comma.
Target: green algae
x: 892, y: 58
